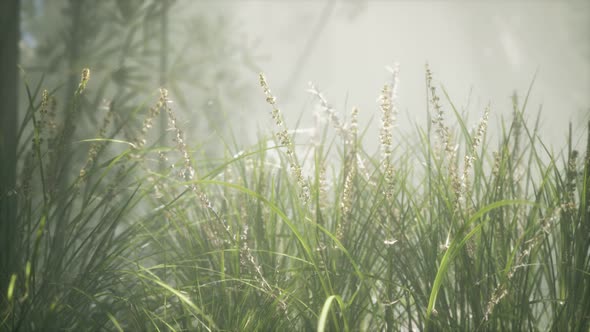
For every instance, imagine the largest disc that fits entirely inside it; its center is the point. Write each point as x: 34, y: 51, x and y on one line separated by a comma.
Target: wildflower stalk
x: 388, y: 107
x: 285, y: 140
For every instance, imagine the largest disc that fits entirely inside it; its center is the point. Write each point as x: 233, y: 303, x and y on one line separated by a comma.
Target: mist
x: 294, y: 165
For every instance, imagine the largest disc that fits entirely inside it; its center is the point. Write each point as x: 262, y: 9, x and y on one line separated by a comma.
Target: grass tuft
x: 442, y: 229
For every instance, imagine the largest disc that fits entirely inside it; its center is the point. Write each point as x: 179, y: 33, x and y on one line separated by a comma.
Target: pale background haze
x: 482, y: 49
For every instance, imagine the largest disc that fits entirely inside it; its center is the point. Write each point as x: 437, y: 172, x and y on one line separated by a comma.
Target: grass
x: 458, y: 234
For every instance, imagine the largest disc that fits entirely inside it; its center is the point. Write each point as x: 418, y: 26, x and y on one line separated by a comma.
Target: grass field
x: 443, y: 229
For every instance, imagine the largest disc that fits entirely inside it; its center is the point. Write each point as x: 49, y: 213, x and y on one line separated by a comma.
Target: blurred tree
x: 9, y: 40
x: 134, y: 47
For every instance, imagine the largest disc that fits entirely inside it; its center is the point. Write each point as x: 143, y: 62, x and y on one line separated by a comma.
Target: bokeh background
x: 208, y: 54
x: 481, y: 51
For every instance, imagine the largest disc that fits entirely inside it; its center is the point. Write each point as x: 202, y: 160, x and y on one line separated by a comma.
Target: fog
x: 481, y: 52
x: 142, y: 188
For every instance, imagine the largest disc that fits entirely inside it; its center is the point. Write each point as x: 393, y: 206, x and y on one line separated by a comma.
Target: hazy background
x: 481, y: 51
x: 486, y: 49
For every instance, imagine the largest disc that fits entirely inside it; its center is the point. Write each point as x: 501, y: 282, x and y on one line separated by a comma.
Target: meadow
x: 445, y: 229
